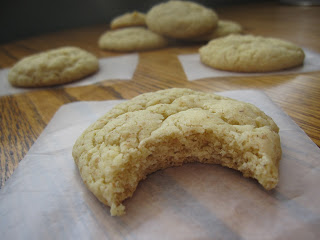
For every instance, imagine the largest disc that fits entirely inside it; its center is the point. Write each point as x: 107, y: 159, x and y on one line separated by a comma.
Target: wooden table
x: 24, y: 116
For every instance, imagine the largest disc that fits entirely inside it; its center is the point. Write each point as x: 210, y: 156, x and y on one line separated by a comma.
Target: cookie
x: 170, y: 127
x: 131, y: 39
x: 247, y: 53
x: 181, y: 19
x: 224, y: 28
x: 129, y: 20
x: 53, y: 67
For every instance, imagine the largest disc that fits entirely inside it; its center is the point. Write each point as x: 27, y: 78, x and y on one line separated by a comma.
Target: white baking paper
x: 46, y: 199
x: 195, y: 69
x: 111, y: 68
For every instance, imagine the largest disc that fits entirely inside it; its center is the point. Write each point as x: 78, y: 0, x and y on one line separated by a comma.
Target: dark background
x: 21, y: 18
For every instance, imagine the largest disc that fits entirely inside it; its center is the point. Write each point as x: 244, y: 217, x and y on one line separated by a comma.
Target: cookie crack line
x: 125, y: 111
x: 171, y: 127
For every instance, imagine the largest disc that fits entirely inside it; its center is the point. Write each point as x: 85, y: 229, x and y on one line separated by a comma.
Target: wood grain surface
x: 24, y: 116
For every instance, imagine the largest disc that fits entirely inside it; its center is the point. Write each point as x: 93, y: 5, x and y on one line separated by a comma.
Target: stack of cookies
x: 182, y: 20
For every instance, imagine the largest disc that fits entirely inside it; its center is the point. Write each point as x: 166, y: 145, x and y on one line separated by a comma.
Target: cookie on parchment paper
x: 248, y: 53
x: 170, y: 127
x: 181, y: 19
x: 53, y: 67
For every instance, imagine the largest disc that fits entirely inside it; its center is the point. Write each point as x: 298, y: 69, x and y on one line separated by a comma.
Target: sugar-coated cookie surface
x: 53, y: 67
x: 168, y: 128
x: 181, y: 19
x: 128, y: 20
x: 131, y: 39
x: 248, y: 53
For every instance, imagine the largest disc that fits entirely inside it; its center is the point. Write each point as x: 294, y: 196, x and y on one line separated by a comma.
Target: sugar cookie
x: 247, y: 53
x: 181, y: 19
x: 131, y: 39
x: 129, y: 20
x: 168, y: 128
x: 53, y: 67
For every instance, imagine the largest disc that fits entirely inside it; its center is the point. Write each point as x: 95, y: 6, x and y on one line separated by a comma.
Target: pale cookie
x: 129, y: 20
x: 224, y: 28
x: 53, y: 67
x: 167, y: 128
x: 131, y: 39
x: 181, y: 19
x: 247, y: 53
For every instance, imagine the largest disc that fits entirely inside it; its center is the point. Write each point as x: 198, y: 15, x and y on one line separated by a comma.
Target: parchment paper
x: 196, y: 70
x: 46, y: 199
x: 119, y: 68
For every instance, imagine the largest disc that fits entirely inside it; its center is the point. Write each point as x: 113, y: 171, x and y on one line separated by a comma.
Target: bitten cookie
x: 247, y: 53
x: 168, y: 128
x: 53, y: 67
x: 131, y: 39
x: 224, y: 28
x: 181, y: 19
x: 129, y: 20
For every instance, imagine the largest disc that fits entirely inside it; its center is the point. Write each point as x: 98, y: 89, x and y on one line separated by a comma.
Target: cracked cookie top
x: 171, y: 127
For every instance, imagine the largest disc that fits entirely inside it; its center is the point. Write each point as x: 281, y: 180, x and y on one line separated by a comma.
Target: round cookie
x: 170, y: 127
x: 247, y: 53
x: 131, y: 39
x: 224, y: 28
x: 53, y: 67
x: 129, y: 20
x: 181, y: 19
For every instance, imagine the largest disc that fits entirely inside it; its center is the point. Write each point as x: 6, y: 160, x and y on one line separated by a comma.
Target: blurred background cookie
x: 224, y: 28
x: 53, y: 67
x: 248, y: 53
x: 128, y: 20
x: 131, y: 39
x: 181, y: 19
